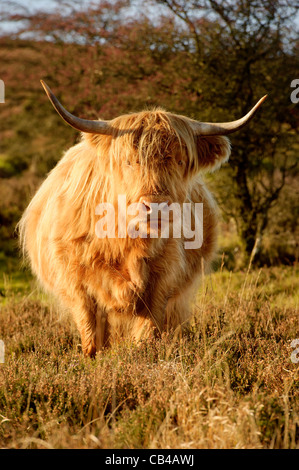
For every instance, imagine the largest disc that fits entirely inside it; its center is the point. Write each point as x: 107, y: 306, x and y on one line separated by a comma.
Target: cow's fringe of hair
x: 149, y: 133
x: 154, y: 133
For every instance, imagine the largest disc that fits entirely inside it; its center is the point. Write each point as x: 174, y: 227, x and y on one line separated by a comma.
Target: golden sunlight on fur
x: 123, y: 288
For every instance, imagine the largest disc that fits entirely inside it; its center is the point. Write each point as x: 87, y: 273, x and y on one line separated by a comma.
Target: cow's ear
x: 212, y: 151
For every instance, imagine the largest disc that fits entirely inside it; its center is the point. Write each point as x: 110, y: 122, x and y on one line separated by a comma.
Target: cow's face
x: 159, y: 176
x: 152, y: 160
x: 150, y: 167
x: 162, y: 179
x: 156, y: 157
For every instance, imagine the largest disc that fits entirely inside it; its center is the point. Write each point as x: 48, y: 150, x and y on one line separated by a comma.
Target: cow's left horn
x: 224, y: 128
x: 84, y: 125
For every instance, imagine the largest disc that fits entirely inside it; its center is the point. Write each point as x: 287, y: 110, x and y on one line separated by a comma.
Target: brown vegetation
x: 228, y: 383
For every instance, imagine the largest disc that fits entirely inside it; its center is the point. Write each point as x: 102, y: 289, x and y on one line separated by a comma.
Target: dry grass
x: 228, y: 383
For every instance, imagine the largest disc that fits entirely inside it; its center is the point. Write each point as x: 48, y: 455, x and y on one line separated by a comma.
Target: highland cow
x: 122, y: 287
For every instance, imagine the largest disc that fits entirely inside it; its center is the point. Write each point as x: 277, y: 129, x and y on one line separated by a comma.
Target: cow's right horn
x: 84, y: 125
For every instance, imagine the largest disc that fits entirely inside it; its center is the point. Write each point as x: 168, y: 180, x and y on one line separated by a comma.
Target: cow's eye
x: 180, y: 162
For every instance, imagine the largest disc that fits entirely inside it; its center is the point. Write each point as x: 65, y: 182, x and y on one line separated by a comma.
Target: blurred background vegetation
x: 211, y: 60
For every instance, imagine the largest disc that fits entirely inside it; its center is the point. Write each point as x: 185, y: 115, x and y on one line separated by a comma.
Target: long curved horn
x: 224, y: 128
x: 84, y: 125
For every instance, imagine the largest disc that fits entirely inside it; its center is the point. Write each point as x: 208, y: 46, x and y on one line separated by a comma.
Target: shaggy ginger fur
x: 123, y: 287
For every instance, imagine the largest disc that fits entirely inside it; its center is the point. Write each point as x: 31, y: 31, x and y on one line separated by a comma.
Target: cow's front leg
x: 84, y: 315
x: 102, y: 329
x: 153, y: 304
x: 138, y: 272
x: 164, y: 279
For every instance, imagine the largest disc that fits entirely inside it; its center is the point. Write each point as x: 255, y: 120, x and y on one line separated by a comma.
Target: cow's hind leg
x: 122, y: 326
x: 179, y: 310
x: 142, y: 328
